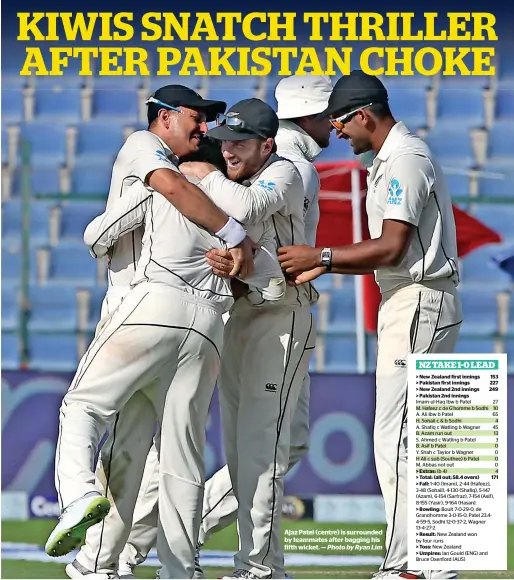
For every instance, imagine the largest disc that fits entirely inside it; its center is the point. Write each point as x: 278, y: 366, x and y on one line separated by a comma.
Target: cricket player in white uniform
x: 103, y: 543
x: 163, y: 341
x: 268, y: 351
x: 301, y: 136
x: 413, y: 252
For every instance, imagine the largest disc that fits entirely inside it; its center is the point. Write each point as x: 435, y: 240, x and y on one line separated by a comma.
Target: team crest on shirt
x: 395, y: 192
x: 268, y: 185
x: 161, y: 156
x: 305, y: 206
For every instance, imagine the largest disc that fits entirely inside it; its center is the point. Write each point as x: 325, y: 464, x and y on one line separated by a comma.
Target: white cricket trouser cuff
x: 165, y: 345
x: 267, y: 357
x: 414, y: 319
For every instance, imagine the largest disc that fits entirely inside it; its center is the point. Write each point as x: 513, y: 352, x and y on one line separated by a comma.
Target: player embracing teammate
x: 204, y: 253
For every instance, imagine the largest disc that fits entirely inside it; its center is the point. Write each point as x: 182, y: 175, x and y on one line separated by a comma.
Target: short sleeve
x: 145, y: 154
x: 409, y: 181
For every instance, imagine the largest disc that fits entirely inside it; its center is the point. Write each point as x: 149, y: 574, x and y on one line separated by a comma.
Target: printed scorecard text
x: 457, y: 462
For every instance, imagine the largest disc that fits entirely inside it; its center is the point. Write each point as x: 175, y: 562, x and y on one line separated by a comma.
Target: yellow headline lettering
x: 53, y: 26
x: 110, y: 59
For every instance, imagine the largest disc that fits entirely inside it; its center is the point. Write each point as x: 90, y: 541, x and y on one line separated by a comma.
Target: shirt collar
x: 272, y: 158
x: 397, y: 131
x: 292, y: 136
x: 169, y: 153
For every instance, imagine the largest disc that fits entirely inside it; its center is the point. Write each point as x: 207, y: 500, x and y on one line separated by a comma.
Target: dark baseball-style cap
x: 247, y: 119
x: 355, y: 90
x: 179, y: 96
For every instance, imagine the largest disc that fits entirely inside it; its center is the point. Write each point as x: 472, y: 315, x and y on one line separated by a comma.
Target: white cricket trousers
x: 219, y: 502
x: 160, y: 352
x: 266, y: 357
x: 414, y: 319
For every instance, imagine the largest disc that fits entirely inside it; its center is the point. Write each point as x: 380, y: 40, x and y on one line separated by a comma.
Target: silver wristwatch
x: 326, y: 258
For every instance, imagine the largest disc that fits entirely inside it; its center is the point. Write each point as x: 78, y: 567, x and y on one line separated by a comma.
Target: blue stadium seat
x: 75, y: 216
x: 464, y: 83
x: 505, y: 105
x: 232, y: 89
x: 71, y: 264
x: 112, y: 104
x: 95, y: 306
x: 156, y: 82
x: 5, y: 145
x: 462, y: 108
x: 47, y: 143
x: 505, y: 70
x: 324, y: 283
x: 12, y: 105
x: 509, y: 349
x: 10, y: 351
x: 45, y: 180
x: 68, y: 81
x: 511, y: 317
x: 452, y: 147
x: 497, y: 186
x: 501, y: 144
x: 409, y: 104
x: 12, y: 80
x: 458, y: 184
x: 92, y: 180
x: 12, y: 265
x: 474, y: 345
x: 342, y: 311
x: 498, y: 217
x: 53, y: 308
x: 63, y: 106
x: 53, y: 352
x: 12, y: 223
x: 340, y: 354
x: 98, y: 143
x: 10, y: 308
x: 117, y: 83
x: 371, y: 346
x: 479, y: 311
x: 417, y: 81
x: 478, y: 267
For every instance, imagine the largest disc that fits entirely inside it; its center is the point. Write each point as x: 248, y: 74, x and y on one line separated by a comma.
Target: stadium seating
x: 75, y: 126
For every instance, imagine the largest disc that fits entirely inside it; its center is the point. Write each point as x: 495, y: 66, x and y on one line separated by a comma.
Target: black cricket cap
x: 259, y: 120
x: 181, y: 96
x: 355, y: 90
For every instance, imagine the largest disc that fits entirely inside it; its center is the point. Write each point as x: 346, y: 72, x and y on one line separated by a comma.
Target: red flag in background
x: 336, y: 226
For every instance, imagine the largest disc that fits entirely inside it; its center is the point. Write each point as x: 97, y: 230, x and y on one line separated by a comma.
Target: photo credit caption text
x: 334, y: 540
x: 391, y: 44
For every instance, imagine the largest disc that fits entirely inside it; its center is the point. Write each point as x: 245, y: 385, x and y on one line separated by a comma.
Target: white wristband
x: 232, y: 233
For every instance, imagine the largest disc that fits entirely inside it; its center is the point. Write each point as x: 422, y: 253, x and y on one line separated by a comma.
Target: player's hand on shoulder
x: 197, y: 169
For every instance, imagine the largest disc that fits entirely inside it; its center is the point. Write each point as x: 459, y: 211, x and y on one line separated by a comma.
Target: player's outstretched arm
x: 250, y: 204
x: 125, y: 215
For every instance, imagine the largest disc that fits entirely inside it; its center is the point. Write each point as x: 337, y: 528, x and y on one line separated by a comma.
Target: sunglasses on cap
x: 233, y: 122
x: 165, y: 105
x: 340, y: 122
x: 172, y: 108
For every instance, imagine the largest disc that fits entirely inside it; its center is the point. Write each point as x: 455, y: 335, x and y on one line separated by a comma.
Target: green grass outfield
x: 36, y: 532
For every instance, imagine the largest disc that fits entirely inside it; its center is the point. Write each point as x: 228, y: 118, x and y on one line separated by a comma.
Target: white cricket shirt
x: 295, y: 144
x: 406, y: 183
x: 274, y: 193
x: 172, y: 247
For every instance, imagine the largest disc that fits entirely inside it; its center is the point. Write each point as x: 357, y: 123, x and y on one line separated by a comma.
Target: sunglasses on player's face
x: 340, y: 122
x: 235, y: 124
